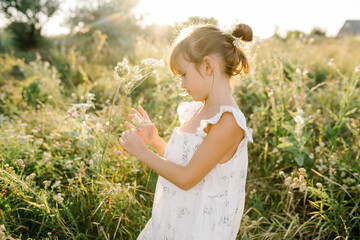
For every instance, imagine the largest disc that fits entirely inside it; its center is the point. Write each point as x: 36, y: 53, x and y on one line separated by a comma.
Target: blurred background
x: 70, y: 71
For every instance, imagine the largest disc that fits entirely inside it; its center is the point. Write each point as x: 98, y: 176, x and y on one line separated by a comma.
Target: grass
x: 63, y: 174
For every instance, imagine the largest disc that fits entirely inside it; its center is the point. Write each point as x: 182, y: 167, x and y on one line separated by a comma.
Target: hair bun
x: 244, y: 31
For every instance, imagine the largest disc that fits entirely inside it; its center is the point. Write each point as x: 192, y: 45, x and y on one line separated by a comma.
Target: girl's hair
x: 196, y: 42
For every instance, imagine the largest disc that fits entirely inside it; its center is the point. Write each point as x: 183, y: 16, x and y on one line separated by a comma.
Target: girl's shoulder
x: 233, y: 114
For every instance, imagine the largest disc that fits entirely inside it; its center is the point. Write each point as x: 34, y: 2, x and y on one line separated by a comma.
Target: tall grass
x: 63, y: 174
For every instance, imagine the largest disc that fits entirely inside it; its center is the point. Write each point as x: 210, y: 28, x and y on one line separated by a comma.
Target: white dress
x: 213, y: 208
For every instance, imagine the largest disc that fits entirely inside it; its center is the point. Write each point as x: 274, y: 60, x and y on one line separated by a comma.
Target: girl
x: 200, y: 191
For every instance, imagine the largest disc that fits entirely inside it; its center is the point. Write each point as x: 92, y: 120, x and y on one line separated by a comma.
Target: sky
x: 262, y: 15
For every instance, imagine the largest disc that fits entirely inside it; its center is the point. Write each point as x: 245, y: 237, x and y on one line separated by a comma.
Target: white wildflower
x: 58, y: 198
x: 288, y: 181
x: 302, y: 170
x: 20, y: 162
x: 150, y: 62
x: 90, y: 97
x: 82, y: 106
x: 22, y: 139
x: 56, y: 184
x: 98, y: 126
x: 311, y: 156
x: 317, y: 149
x: 47, y: 183
x: 321, y: 144
x: 319, y: 185
x: 30, y: 177
x: 299, y: 119
x: 140, y: 122
x: 68, y: 164
x: 122, y: 68
x: 303, y: 187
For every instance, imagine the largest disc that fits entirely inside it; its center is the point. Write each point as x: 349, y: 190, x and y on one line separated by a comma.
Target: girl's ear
x: 209, y: 65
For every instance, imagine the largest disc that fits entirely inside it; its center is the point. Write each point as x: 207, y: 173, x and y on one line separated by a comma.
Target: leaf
x: 285, y: 145
x: 350, y: 112
x: 73, y: 134
x: 300, y: 160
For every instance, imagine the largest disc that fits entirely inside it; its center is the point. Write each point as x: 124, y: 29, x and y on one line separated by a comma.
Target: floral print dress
x: 213, y: 208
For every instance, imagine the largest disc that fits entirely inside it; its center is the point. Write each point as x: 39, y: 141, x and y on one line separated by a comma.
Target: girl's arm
x: 222, y: 138
x: 159, y: 146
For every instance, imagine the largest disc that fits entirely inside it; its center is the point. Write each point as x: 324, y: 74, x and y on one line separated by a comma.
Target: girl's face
x: 195, y: 84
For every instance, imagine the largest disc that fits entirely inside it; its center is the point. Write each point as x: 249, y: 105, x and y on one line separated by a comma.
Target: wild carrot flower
x: 288, y: 181
x: 47, y: 183
x: 150, y: 62
x: 139, y: 122
x: 56, y: 184
x: 30, y: 177
x: 121, y: 69
x: 58, y: 198
x: 20, y: 162
x: 299, y: 119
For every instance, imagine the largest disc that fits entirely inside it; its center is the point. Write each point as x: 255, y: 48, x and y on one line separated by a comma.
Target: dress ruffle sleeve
x: 239, y: 116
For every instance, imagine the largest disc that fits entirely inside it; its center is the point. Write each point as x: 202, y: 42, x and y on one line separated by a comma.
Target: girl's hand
x: 132, y: 143
x: 149, y: 133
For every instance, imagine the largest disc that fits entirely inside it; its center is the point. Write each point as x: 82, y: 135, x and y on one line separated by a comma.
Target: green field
x: 63, y: 174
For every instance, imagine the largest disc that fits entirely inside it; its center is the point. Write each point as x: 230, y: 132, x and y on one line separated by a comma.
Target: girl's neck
x: 220, y: 94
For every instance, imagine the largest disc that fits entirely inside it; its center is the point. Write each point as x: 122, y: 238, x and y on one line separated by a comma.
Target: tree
x: 27, y: 17
x: 317, y: 32
x: 113, y: 18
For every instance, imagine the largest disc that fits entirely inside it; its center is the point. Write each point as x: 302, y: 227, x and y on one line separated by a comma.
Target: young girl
x: 200, y: 191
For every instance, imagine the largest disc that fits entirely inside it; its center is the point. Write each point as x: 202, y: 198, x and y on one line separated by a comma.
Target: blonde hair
x: 196, y: 42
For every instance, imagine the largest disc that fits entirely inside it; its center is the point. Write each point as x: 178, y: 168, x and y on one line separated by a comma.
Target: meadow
x: 63, y: 174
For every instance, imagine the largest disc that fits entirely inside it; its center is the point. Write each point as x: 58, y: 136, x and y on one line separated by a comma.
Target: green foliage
x: 25, y: 36
x: 317, y: 32
x: 26, y: 21
x: 63, y: 174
